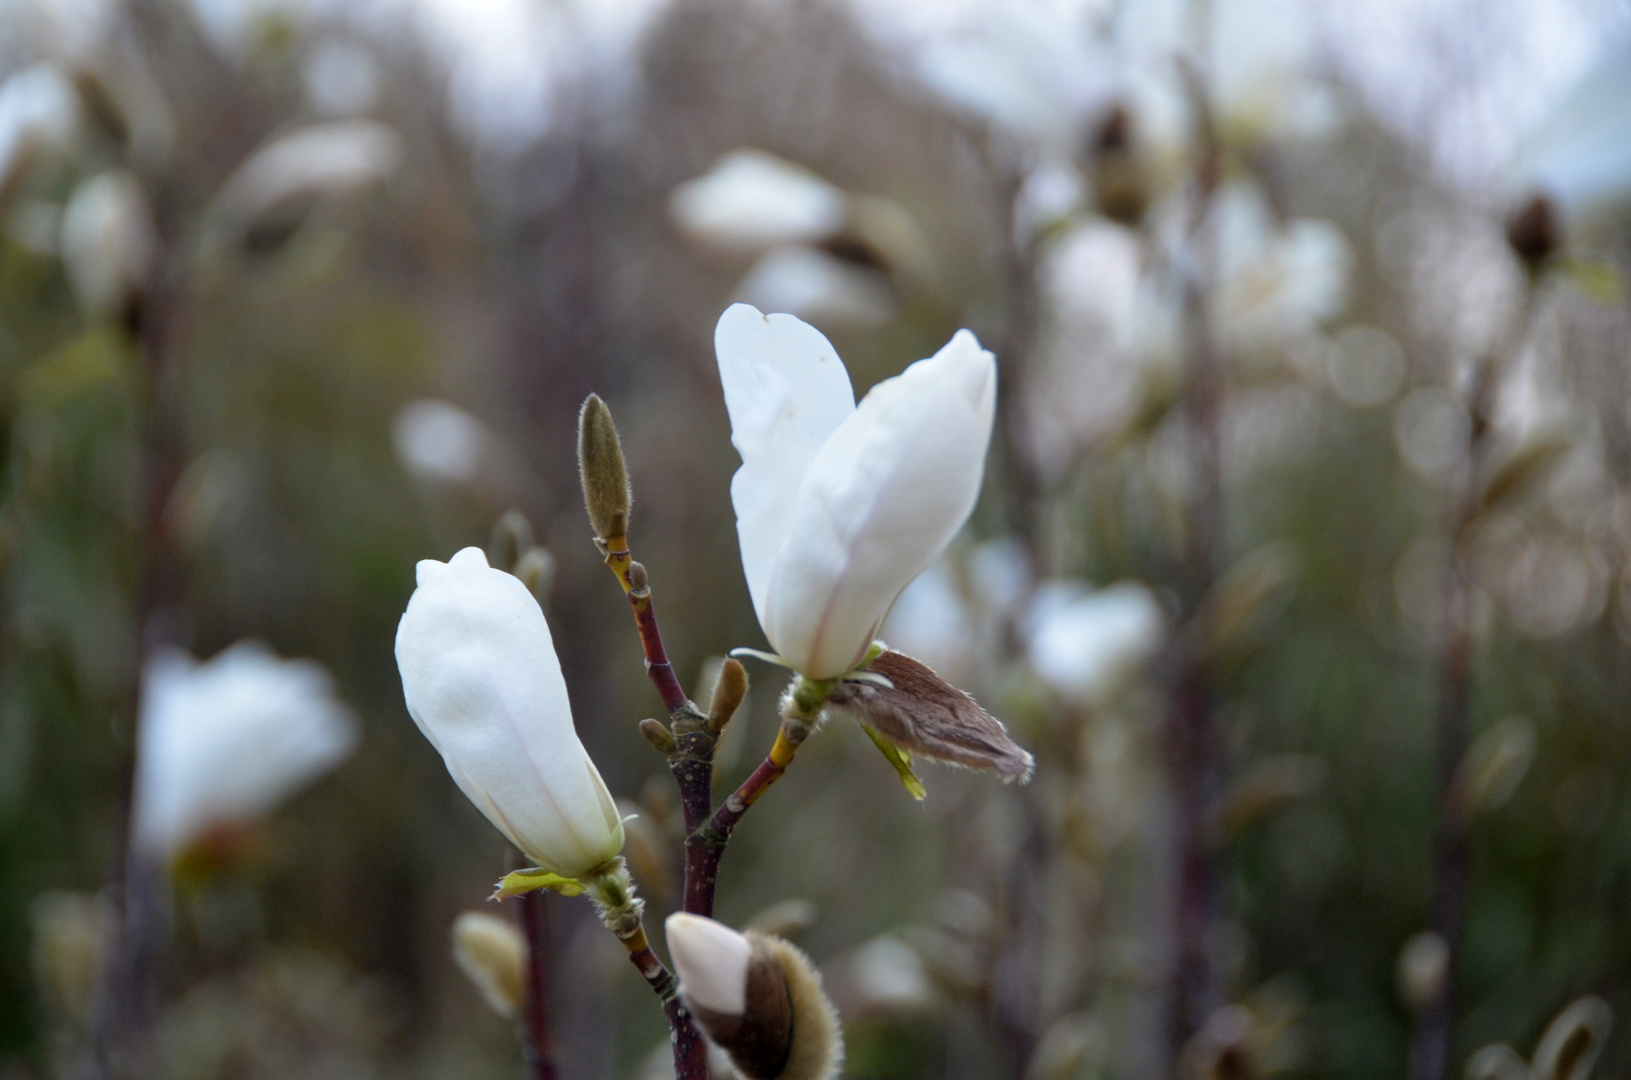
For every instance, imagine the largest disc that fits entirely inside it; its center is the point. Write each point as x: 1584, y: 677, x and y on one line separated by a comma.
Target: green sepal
x: 526, y: 881
x: 900, y: 759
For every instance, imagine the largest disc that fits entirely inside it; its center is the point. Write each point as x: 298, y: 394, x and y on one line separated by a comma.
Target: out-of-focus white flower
x: 482, y: 681
x: 310, y: 163
x: 224, y: 741
x: 932, y: 622
x: 38, y: 111
x: 751, y: 201
x: 236, y: 27
x: 1085, y: 642
x: 1276, y: 280
x: 107, y: 242
x: 492, y: 953
x: 1579, y: 156
x: 437, y: 440
x: 839, y: 507
x: 342, y: 79
x: 816, y: 286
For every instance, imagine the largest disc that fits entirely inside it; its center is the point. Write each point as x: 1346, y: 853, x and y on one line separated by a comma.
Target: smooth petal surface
x: 751, y: 200
x: 482, y: 681
x: 880, y: 500
x: 786, y: 392
x: 223, y: 742
x: 711, y: 960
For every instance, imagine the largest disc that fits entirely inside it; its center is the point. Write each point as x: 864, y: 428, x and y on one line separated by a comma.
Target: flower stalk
x: 540, y: 1056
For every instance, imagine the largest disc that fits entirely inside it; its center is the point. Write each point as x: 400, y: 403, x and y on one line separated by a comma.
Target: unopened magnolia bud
x: 923, y: 714
x: 1572, y: 1044
x: 536, y: 569
x: 1422, y: 971
x: 1533, y: 232
x: 491, y: 951
x: 606, y: 491
x: 657, y: 734
x: 758, y: 998
x: 729, y: 690
x: 512, y: 536
x: 1495, y: 765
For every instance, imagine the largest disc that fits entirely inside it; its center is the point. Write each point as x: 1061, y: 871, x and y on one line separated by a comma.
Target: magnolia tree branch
x: 690, y: 1051
x: 539, y: 1052
x: 1432, y: 1041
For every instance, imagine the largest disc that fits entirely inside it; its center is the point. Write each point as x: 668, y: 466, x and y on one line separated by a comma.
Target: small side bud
x: 758, y: 998
x: 729, y: 690
x: 1495, y: 765
x: 921, y: 713
x: 657, y: 734
x: 639, y: 580
x: 491, y: 951
x: 606, y: 491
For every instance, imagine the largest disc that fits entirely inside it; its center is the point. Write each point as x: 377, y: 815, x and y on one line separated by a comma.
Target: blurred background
x: 1301, y: 562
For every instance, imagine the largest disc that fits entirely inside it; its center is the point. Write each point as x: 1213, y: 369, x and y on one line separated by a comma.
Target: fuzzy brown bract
x: 922, y: 713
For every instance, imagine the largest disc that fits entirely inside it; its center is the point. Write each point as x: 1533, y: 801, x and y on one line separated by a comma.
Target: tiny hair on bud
x: 606, y: 491
x: 729, y: 690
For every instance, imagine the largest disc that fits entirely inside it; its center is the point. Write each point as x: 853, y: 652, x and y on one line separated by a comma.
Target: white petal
x: 786, y: 392
x: 751, y: 200
x: 880, y: 501
x: 482, y: 681
x: 225, y: 741
x: 711, y: 961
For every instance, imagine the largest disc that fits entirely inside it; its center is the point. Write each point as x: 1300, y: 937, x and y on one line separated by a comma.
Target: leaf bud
x: 729, y: 690
x: 657, y: 734
x: 758, y: 998
x: 639, y: 580
x: 491, y: 951
x: 606, y: 491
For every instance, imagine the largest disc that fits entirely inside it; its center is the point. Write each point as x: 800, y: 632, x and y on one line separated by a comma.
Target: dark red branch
x: 540, y: 1056
x: 690, y: 1051
x: 660, y: 671
x: 706, y: 846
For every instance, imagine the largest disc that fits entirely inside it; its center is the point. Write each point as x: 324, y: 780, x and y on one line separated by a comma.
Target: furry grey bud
x: 606, y: 491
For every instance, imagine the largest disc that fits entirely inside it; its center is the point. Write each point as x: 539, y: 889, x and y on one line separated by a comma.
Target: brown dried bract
x: 924, y: 714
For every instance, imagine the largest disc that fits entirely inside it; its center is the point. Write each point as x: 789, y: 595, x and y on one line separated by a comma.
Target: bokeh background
x: 1300, y: 388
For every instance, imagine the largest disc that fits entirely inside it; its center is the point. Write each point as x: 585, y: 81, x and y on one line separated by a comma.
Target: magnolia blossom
x: 482, y: 681
x: 811, y: 284
x: 222, y: 742
x: 107, y: 242
x: 839, y: 506
x: 751, y: 201
x: 38, y: 110
x: 1084, y: 643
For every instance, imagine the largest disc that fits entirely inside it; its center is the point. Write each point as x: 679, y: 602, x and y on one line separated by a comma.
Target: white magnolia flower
x: 1084, y: 643
x: 752, y: 201
x: 839, y: 507
x: 222, y: 742
x: 38, y: 111
x: 1580, y: 154
x: 483, y: 683
x: 310, y: 163
x: 107, y: 242
x: 811, y: 284
x: 437, y: 440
